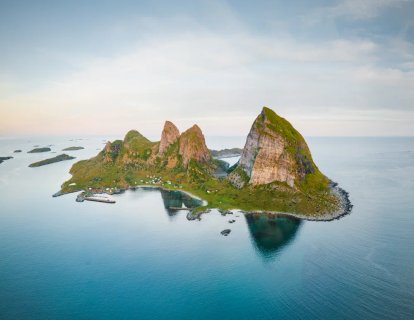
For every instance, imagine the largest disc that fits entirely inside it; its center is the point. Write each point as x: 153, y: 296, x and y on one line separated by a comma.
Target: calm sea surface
x: 135, y: 259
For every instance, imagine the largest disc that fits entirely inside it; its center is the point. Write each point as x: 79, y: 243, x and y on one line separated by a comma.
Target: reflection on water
x: 177, y: 199
x: 270, y: 234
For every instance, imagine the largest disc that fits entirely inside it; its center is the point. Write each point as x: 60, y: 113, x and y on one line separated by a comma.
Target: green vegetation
x: 61, y: 157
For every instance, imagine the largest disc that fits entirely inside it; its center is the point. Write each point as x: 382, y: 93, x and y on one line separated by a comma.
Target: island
x: 38, y: 150
x: 73, y: 148
x: 61, y: 157
x: 226, y: 153
x: 5, y: 158
x: 275, y: 174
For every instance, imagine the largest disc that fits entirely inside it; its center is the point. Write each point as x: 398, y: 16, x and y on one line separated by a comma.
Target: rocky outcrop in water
x: 73, y: 148
x: 38, y: 150
x: 5, y: 158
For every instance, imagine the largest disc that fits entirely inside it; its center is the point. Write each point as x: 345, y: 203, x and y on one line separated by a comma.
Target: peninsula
x: 275, y: 174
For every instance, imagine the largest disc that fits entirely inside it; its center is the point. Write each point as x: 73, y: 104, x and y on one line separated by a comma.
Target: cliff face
x: 193, y: 146
x: 170, y: 135
x: 274, y: 151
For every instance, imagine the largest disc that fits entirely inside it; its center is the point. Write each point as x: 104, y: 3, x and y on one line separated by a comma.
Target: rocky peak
x: 111, y: 150
x: 170, y: 134
x: 193, y: 146
x: 274, y: 151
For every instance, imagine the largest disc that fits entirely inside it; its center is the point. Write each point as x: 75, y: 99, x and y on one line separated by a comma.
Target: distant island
x: 38, y: 150
x: 275, y: 174
x: 5, y: 158
x: 61, y: 157
x: 226, y: 153
x: 73, y: 148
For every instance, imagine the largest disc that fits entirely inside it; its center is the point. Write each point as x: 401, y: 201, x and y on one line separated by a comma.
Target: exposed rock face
x: 111, y: 151
x: 193, y: 146
x: 274, y: 151
x: 170, y: 134
x: 107, y: 152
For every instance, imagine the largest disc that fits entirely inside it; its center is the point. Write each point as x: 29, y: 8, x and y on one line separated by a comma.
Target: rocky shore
x: 195, y: 214
x: 345, y: 208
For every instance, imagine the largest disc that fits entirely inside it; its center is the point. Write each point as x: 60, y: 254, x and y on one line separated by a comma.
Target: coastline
x: 343, y: 196
x: 345, y: 209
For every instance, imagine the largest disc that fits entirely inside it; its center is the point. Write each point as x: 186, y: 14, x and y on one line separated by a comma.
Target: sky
x: 332, y: 68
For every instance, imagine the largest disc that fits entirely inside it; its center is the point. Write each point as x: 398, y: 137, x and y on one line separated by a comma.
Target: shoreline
x: 345, y: 209
x: 343, y: 196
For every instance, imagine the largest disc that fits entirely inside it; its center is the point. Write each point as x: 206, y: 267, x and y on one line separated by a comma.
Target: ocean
x: 135, y: 259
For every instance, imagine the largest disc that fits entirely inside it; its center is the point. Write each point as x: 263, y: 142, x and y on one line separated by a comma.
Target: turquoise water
x: 135, y: 259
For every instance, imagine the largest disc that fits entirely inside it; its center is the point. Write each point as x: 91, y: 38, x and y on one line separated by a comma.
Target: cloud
x: 361, y: 9
x: 221, y: 80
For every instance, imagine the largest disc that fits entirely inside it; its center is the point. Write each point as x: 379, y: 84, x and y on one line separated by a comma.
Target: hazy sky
x: 103, y: 67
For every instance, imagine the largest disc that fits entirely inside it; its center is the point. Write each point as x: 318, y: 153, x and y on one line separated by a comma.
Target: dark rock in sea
x: 73, y: 148
x: 195, y: 214
x: 17, y: 151
x: 81, y: 197
x: 5, y: 158
x: 61, y: 157
x: 58, y: 194
x: 116, y: 190
x: 225, y: 232
x: 224, y: 212
x: 38, y: 150
x: 232, y: 221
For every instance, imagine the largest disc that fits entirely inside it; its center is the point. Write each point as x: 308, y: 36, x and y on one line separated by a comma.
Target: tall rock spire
x: 170, y: 134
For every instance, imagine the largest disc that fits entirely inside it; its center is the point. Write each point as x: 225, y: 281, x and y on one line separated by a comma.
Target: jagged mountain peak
x: 169, y: 135
x: 193, y: 146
